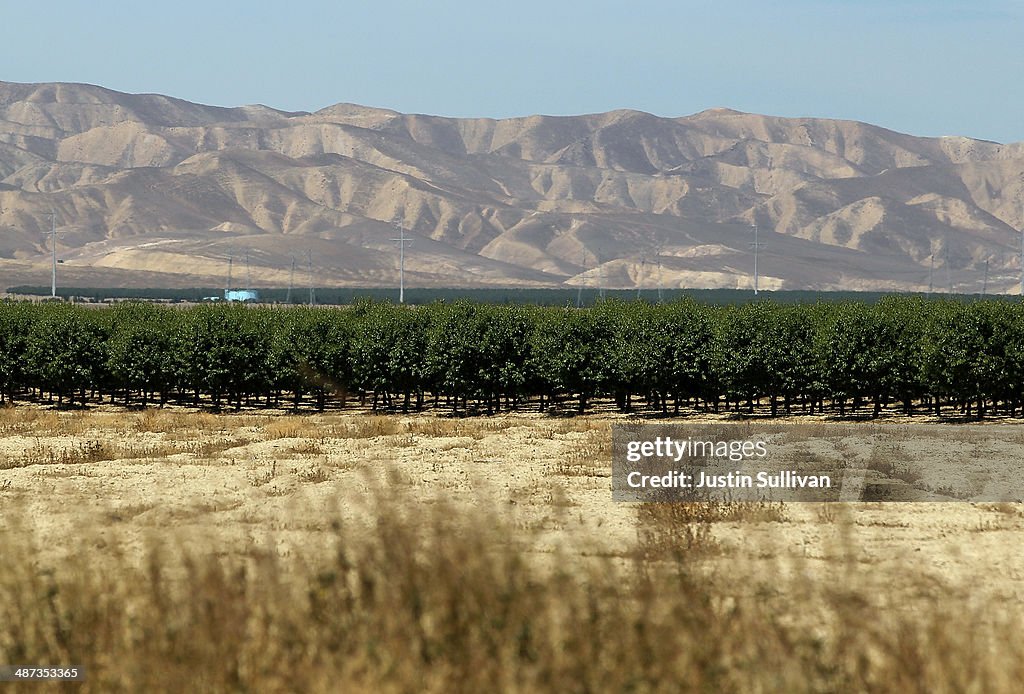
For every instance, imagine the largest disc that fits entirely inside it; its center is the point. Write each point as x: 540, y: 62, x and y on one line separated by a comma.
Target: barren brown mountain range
x: 149, y: 190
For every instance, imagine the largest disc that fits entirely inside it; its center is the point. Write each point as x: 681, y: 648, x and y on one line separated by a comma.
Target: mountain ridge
x: 624, y: 198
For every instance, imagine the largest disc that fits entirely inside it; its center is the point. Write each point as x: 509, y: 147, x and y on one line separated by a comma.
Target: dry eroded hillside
x: 152, y: 190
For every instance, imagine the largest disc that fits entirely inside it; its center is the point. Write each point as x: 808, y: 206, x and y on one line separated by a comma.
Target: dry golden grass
x: 15, y: 420
x: 208, y: 448
x: 307, y: 447
x: 893, y: 461
x: 441, y: 601
x: 75, y: 454
x: 188, y: 422
x: 589, y: 458
x: 363, y: 553
x: 290, y: 428
x: 680, y: 531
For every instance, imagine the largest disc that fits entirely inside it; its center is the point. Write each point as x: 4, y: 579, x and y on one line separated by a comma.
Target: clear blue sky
x: 926, y: 67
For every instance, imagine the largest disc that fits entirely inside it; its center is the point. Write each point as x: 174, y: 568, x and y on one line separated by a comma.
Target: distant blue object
x: 241, y: 295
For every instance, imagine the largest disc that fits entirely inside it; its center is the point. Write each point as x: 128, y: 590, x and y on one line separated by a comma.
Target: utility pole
x: 309, y: 267
x: 949, y: 272
x: 579, y: 287
x: 1022, y: 255
x: 755, y: 246
x: 230, y: 261
x: 657, y: 254
x: 53, y: 252
x: 291, y: 281
x: 401, y: 240
x: 639, y: 278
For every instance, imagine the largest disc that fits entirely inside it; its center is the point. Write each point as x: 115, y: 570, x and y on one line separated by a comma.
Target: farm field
x: 421, y: 552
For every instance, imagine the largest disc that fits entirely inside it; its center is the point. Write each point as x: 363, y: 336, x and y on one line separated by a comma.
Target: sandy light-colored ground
x: 120, y: 481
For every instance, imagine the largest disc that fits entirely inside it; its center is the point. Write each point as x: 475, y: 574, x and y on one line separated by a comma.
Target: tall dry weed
x: 440, y: 600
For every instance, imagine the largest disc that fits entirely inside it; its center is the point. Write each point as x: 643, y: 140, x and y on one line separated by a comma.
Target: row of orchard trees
x: 905, y: 352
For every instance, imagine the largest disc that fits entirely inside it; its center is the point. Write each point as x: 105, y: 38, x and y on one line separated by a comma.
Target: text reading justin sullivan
x: 676, y: 449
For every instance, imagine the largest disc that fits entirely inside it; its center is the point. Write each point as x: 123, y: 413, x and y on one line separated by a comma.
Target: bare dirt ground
x: 120, y: 482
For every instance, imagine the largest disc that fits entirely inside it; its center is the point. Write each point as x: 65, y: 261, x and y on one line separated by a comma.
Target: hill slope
x: 151, y: 190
